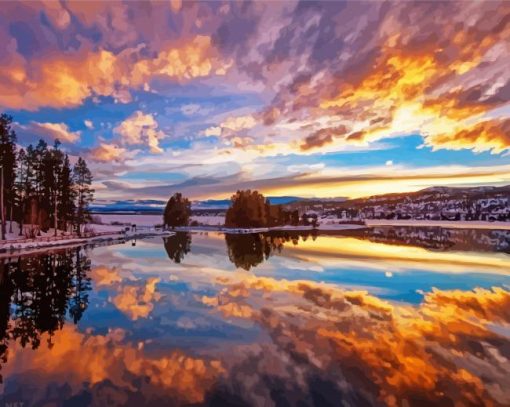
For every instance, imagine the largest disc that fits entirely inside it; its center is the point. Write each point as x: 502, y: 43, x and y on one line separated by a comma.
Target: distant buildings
x: 439, y: 203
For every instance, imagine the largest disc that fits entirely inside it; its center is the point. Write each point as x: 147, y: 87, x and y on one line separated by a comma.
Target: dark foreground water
x: 385, y: 316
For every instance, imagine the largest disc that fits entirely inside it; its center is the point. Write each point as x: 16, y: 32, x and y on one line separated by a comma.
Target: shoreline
x: 10, y: 248
x: 229, y: 230
x: 446, y: 224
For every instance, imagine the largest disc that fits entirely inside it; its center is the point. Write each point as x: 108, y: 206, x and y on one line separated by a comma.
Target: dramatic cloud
x: 248, y: 83
x: 319, y: 181
x: 140, y: 129
x: 107, y: 152
x: 493, y: 135
x: 47, y: 131
x: 49, y: 73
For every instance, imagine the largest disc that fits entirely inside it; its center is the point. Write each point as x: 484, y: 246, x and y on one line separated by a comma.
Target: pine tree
x: 8, y: 164
x: 31, y: 188
x: 42, y: 194
x: 67, y: 194
x: 84, y: 193
x: 23, y: 187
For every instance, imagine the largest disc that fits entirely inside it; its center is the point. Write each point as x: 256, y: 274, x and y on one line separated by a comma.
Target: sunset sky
x: 305, y: 99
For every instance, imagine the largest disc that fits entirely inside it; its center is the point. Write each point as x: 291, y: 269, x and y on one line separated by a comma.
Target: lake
x: 382, y: 316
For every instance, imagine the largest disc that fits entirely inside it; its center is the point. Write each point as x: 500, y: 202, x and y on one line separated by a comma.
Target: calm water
x: 385, y: 316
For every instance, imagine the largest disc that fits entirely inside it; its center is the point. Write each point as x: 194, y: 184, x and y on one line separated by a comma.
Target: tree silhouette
x: 248, y: 209
x: 245, y: 250
x: 249, y: 250
x: 42, y: 290
x: 84, y: 192
x: 8, y: 162
x: 6, y: 291
x: 177, y: 246
x: 177, y: 211
x: 40, y: 188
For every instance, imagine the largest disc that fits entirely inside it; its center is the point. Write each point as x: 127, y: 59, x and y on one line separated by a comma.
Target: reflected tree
x: 177, y: 246
x: 81, y: 286
x: 246, y: 250
x: 250, y: 250
x: 6, y: 291
x: 36, y: 294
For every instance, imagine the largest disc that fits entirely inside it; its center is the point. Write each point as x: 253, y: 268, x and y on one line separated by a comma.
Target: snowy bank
x: 95, y: 234
x: 452, y: 224
x: 327, y: 227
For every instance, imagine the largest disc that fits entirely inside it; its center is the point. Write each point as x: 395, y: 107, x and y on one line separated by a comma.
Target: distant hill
x: 435, y: 203
x: 157, y: 206
x: 129, y: 206
x: 417, y: 202
x: 433, y: 194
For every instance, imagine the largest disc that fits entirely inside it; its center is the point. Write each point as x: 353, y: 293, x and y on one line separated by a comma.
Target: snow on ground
x: 209, y: 220
x: 130, y: 219
x: 440, y: 223
x: 93, y: 233
x: 152, y: 220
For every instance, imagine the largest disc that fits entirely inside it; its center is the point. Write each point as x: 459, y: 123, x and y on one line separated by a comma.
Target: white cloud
x: 141, y: 129
x: 239, y: 123
x: 89, y: 124
x: 212, y: 131
x: 52, y: 131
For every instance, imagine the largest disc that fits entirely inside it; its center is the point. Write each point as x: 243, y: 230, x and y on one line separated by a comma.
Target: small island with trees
x: 248, y: 211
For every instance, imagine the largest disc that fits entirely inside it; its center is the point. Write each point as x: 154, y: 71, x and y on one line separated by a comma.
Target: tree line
x: 41, y: 189
x: 251, y: 209
x: 248, y: 209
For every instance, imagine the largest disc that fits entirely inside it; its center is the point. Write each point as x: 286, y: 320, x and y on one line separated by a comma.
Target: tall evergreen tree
x: 67, y: 194
x: 84, y: 193
x: 40, y: 186
x: 8, y: 164
x: 23, y: 187
x: 42, y: 194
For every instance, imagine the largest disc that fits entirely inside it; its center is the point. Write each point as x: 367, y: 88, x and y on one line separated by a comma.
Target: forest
x: 40, y: 188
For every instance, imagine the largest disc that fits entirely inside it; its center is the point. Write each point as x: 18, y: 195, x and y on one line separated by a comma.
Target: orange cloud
x: 66, y: 80
x: 106, y: 360
x: 105, y: 276
x: 323, y: 136
x: 106, y: 152
x: 137, y: 302
x: 487, y: 135
x: 435, y: 91
x: 140, y: 128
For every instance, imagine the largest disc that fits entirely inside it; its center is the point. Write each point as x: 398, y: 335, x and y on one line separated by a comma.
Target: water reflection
x: 249, y: 250
x: 435, y: 238
x: 177, y: 246
x: 329, y: 345
x: 38, y: 292
x: 263, y: 319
